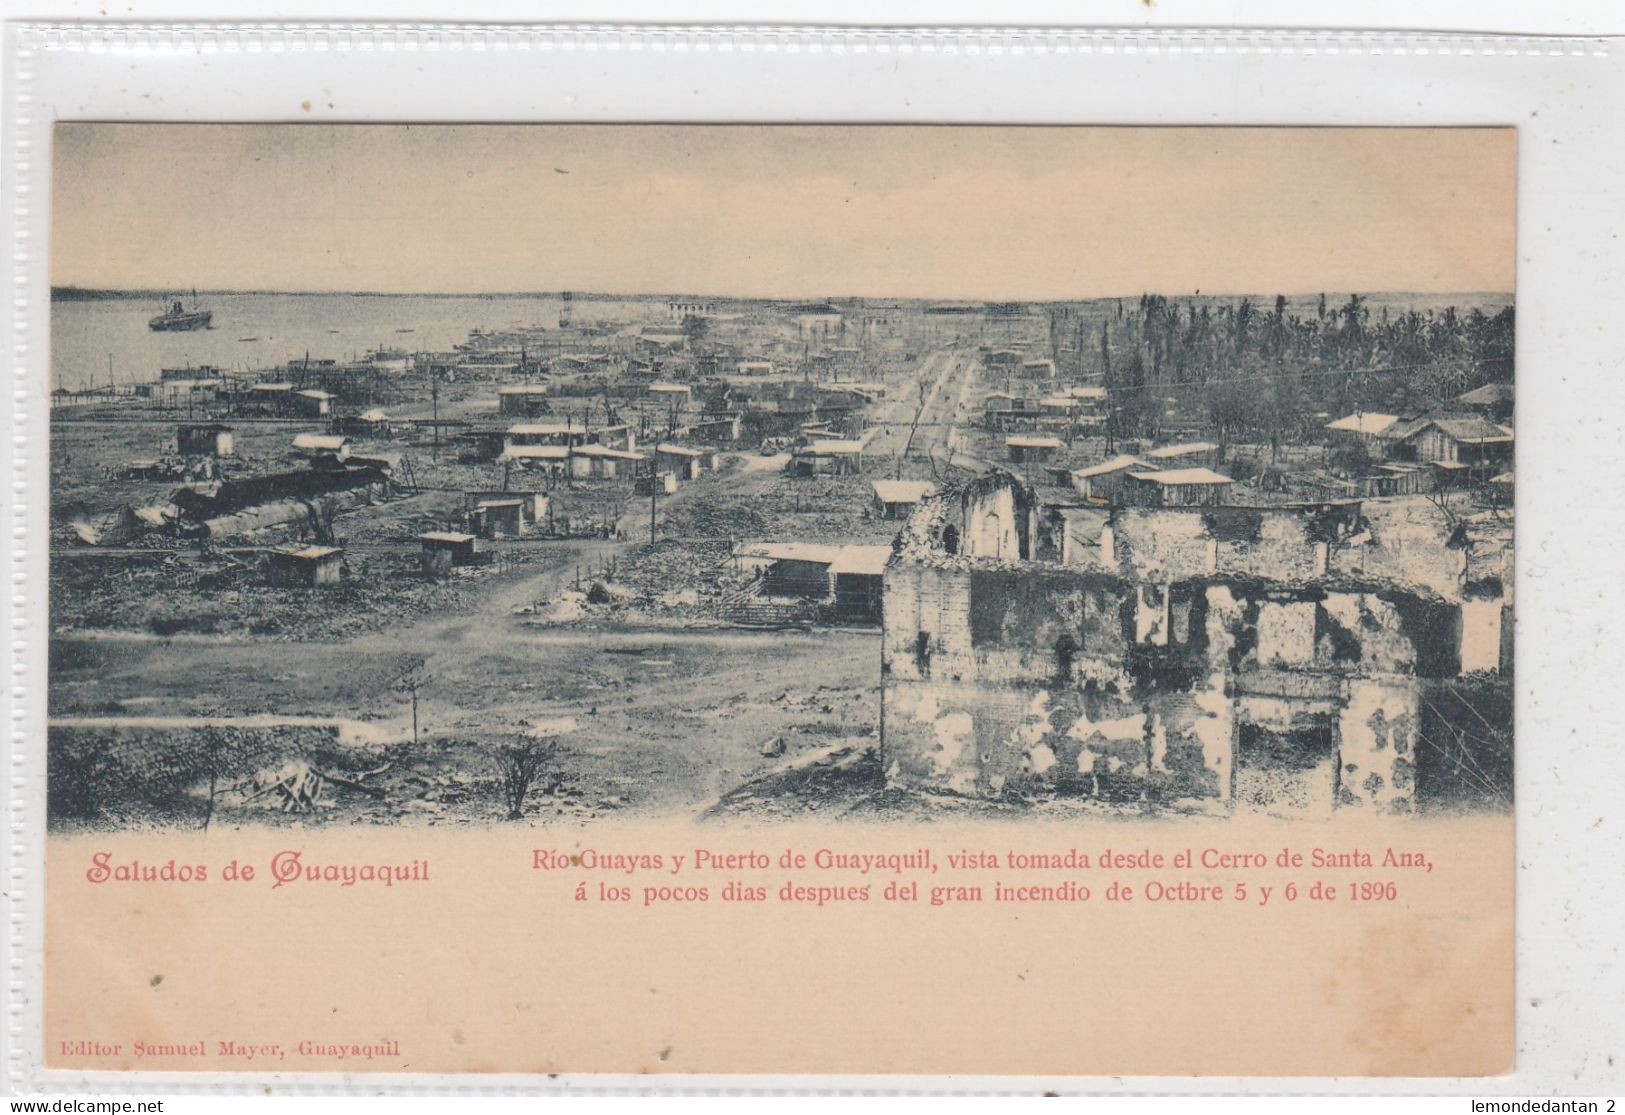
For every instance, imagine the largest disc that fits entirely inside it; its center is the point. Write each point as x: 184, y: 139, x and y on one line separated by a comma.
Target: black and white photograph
x: 541, y: 475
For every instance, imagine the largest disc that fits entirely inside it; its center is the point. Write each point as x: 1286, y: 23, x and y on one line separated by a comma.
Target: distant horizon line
x: 604, y: 295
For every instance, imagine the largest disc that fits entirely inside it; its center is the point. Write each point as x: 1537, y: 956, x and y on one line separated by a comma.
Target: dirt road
x: 664, y: 720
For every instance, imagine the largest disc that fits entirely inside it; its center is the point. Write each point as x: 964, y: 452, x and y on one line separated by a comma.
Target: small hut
x: 1024, y: 448
x: 208, y: 439
x: 303, y: 566
x: 895, y: 499
x: 1182, y: 487
x: 444, y: 549
x: 501, y: 518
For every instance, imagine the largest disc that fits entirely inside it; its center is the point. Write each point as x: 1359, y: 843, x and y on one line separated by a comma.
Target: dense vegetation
x: 1246, y: 371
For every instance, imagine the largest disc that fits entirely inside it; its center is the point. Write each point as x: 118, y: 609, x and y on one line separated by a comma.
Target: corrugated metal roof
x: 870, y: 560
x: 903, y: 491
x: 1021, y: 441
x: 1184, y: 476
x: 1370, y: 424
x: 1116, y: 464
x: 1182, y: 450
x: 445, y: 536
x: 1473, y: 429
x: 307, y: 553
x: 1461, y: 427
x: 328, y: 442
x: 867, y: 560
x: 537, y: 452
x: 1487, y: 395
x: 790, y: 551
x: 534, y: 429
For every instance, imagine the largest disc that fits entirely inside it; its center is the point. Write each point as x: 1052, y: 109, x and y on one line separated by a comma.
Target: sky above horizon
x: 1012, y: 213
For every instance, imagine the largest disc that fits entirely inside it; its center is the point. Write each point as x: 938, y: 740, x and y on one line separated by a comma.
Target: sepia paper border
x: 1563, y: 94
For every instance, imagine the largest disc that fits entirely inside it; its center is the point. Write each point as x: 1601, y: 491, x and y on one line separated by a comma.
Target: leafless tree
x: 520, y: 763
x: 1443, y: 489
x: 409, y: 684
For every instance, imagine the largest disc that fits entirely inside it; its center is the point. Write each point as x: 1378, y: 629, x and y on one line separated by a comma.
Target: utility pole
x: 434, y: 404
x: 654, y: 497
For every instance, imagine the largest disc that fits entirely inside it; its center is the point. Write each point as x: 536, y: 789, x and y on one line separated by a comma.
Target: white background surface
x: 1565, y: 97
x: 1550, y: 17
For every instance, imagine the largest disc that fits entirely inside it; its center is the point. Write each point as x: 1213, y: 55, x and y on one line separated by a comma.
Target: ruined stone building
x: 1289, y: 659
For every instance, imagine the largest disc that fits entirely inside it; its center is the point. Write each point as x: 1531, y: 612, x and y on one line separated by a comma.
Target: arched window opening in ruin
x: 950, y: 538
x: 922, y: 652
x: 1066, y: 652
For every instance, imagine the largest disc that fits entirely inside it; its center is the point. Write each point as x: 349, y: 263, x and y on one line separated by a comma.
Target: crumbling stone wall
x: 1377, y: 740
x: 1109, y: 741
x: 1286, y: 544
x: 994, y: 516
x: 1286, y: 752
x: 1222, y: 659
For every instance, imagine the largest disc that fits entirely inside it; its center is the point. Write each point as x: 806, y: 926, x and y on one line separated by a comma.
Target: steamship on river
x: 178, y: 319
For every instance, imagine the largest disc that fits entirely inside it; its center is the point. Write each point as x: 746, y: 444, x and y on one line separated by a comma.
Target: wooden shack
x: 1180, y: 487
x: 687, y: 463
x: 523, y: 400
x: 655, y: 483
x: 313, y: 404
x: 303, y: 566
x: 209, y: 439
x: 536, y: 503
x: 317, y: 446
x: 272, y: 398
x: 444, y: 549
x: 603, y: 462
x: 858, y: 573
x: 1185, y: 455
x: 895, y: 499
x: 501, y: 518
x: 798, y: 570
x: 830, y: 455
x: 1102, y: 482
x: 1031, y: 448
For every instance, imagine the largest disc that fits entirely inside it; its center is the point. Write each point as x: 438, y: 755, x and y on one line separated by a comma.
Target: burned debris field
x: 552, y: 558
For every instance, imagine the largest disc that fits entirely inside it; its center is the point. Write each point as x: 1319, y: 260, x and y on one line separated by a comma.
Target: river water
x: 285, y: 327
x: 254, y: 331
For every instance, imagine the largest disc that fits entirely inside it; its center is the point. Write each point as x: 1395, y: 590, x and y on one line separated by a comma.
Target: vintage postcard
x: 781, y: 599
